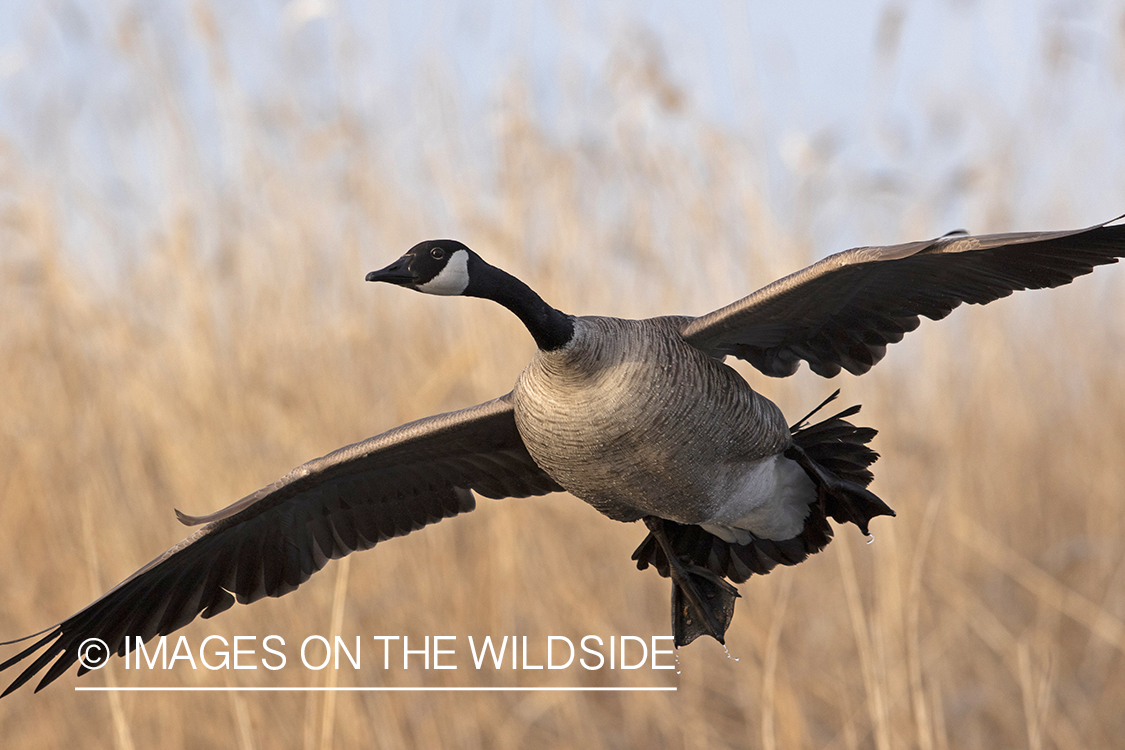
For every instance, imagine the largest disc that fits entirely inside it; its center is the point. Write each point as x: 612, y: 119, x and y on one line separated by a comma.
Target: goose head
x: 450, y: 268
x: 434, y: 267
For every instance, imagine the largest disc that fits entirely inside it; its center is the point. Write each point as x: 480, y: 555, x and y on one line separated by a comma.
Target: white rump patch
x: 453, y: 279
x: 772, y: 502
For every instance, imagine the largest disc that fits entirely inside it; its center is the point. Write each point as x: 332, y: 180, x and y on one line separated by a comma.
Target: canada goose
x: 639, y: 418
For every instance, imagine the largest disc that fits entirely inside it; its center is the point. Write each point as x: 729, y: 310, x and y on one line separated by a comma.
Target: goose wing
x: 270, y: 542
x: 843, y: 311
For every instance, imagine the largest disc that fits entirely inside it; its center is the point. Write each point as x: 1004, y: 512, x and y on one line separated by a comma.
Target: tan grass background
x: 240, y: 341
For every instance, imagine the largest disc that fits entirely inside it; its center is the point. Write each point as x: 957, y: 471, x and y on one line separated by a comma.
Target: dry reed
x: 239, y: 340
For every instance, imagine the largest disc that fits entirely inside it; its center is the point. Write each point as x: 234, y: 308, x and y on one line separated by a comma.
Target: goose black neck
x: 550, y: 328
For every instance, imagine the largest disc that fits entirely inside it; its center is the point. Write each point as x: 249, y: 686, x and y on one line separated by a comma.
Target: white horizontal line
x: 373, y: 689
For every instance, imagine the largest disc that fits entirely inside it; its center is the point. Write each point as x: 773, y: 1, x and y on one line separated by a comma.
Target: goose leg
x: 702, y: 602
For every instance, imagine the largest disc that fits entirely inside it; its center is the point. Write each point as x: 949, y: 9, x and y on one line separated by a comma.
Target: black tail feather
x: 840, y: 458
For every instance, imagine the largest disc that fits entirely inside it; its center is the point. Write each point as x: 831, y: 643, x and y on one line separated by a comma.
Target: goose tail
x: 837, y: 457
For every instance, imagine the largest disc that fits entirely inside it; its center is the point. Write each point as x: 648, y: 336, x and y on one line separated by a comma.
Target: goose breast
x: 633, y: 420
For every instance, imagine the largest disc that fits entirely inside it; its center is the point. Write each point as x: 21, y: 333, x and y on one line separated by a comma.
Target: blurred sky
x: 903, y: 95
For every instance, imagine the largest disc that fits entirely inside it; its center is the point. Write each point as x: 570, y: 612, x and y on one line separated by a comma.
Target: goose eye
x: 437, y: 253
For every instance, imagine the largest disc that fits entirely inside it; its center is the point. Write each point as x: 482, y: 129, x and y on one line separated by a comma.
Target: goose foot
x: 702, y: 602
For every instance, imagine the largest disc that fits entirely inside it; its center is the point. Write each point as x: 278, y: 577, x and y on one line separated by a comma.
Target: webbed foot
x: 702, y: 602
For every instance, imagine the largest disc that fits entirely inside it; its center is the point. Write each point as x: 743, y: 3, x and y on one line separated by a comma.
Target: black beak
x: 396, y: 273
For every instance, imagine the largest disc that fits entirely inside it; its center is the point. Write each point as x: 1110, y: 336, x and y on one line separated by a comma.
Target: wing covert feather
x: 842, y: 312
x: 272, y: 541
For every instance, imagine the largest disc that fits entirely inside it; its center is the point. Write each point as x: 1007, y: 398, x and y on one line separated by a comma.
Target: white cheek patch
x: 453, y: 279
